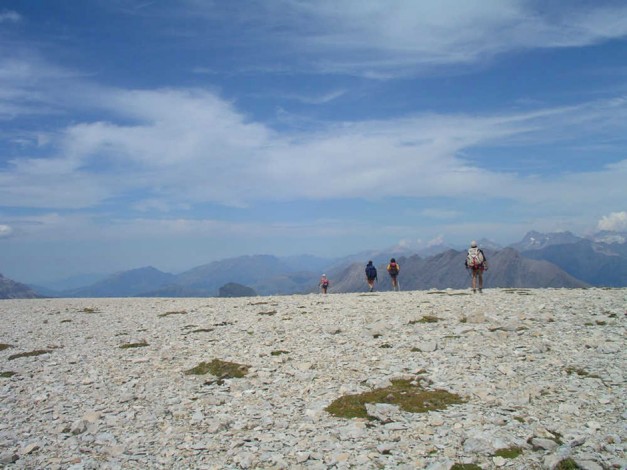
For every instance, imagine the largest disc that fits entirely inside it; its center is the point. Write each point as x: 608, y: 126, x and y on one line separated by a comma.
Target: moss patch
x: 466, y: 466
x: 4, y: 346
x: 509, y: 452
x: 141, y: 344
x: 581, y: 372
x: 167, y: 314
x: 7, y: 374
x: 567, y: 464
x: 269, y: 313
x: 221, y: 369
x: 38, y: 352
x: 517, y: 291
x: 425, y: 319
x: 66, y: 321
x: 278, y: 353
x: 89, y: 310
x: 202, y: 330
x: 403, y: 393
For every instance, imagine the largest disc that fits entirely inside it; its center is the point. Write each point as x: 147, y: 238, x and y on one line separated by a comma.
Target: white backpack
x: 475, y: 258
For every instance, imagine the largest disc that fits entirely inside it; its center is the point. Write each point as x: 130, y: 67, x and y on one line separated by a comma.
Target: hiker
x: 477, y: 263
x: 324, y: 283
x: 393, y: 270
x: 371, y: 275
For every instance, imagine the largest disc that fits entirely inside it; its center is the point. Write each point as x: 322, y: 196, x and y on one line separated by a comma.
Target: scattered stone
x: 539, y: 443
x: 8, y: 458
x: 30, y: 448
x: 427, y: 346
x: 519, y: 363
x: 79, y: 427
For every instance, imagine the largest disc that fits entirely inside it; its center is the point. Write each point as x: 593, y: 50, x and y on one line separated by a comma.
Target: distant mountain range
x: 539, y: 260
x: 506, y: 268
x: 14, y: 290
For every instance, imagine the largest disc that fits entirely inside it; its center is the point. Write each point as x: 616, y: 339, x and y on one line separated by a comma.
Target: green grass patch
x: 89, y: 310
x: 66, y: 321
x: 517, y: 291
x: 178, y: 312
x: 268, y: 313
x: 141, y: 344
x: 278, y: 353
x: 403, y: 393
x: 508, y: 453
x: 221, y: 369
x: 567, y: 464
x: 202, y: 330
x: 7, y: 374
x: 425, y: 319
x: 581, y: 372
x: 38, y: 352
x: 4, y: 346
x: 466, y: 466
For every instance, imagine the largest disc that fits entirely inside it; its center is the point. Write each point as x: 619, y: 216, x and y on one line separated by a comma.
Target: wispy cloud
x: 5, y: 231
x: 9, y: 16
x: 385, y: 39
x: 192, y: 147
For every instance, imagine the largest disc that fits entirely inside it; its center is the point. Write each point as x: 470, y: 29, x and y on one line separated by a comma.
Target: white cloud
x: 182, y: 147
x: 9, y: 16
x: 5, y: 231
x: 381, y: 39
x: 616, y: 222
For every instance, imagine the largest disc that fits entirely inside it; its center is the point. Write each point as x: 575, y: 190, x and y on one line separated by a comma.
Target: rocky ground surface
x: 101, y: 383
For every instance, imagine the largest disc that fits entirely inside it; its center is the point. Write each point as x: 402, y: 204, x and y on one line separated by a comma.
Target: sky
x: 173, y: 134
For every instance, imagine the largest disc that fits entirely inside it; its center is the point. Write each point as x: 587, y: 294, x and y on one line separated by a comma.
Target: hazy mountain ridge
x: 535, y: 240
x: 124, y: 284
x: 10, y: 289
x: 559, y: 259
x: 507, y: 268
x: 594, y: 263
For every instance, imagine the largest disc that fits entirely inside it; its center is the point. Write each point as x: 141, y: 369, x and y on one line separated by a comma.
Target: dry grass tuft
x: 141, y: 344
x: 38, y: 352
x: 179, y: 312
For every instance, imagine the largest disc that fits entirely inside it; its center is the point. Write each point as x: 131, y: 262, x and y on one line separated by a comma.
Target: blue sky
x: 172, y: 134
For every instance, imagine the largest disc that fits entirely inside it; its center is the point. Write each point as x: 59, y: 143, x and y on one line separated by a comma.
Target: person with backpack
x: 477, y: 263
x: 371, y: 275
x: 324, y: 283
x: 393, y: 270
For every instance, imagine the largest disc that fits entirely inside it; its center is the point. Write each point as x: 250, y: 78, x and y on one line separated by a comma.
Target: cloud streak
x: 191, y: 147
x: 401, y: 37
